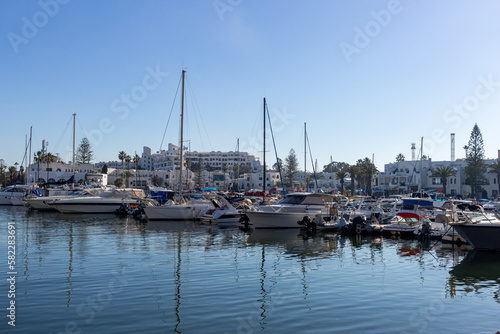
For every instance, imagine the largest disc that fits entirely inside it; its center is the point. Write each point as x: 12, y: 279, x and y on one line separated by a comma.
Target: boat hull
x: 261, y: 219
x: 73, y: 206
x: 483, y: 237
x: 170, y: 212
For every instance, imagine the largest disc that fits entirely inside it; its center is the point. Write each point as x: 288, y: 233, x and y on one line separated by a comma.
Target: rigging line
x: 198, y: 108
x: 193, y: 98
x: 275, y: 151
x: 312, y: 162
x: 255, y: 135
x: 56, y: 147
x: 171, y: 110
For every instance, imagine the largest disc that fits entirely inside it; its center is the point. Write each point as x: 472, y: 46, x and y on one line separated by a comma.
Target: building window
x: 436, y: 180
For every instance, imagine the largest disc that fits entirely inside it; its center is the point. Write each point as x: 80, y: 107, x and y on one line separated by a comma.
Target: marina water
x: 106, y: 274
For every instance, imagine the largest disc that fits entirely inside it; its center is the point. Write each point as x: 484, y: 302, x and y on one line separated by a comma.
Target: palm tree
x: 353, y: 170
x: 341, y: 175
x: 12, y: 173
x: 443, y: 173
x: 400, y: 157
x: 122, y: 155
x: 495, y: 168
x: 126, y: 174
x: 466, y: 147
x: 128, y: 160
x: 137, y: 158
x: 368, y: 169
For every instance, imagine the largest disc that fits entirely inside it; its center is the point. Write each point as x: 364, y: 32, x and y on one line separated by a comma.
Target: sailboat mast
x: 238, y: 161
x: 182, y: 136
x: 74, y: 162
x: 264, y: 152
x: 29, y: 158
x: 305, y: 154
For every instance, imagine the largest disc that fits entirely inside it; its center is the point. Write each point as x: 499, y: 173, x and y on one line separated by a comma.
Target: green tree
x: 84, y: 154
x: 122, y: 155
x: 3, y: 178
x: 366, y: 170
x: 126, y: 175
x: 244, y: 168
x: 12, y: 174
x: 291, y: 167
x: 466, y: 148
x: 137, y: 159
x: 495, y: 168
x: 157, y: 181
x: 353, y: 171
x: 475, y: 167
x: 443, y: 173
x: 275, y: 165
x: 128, y: 160
x: 334, y: 167
x: 400, y: 157
x: 341, y: 175
x: 104, y: 169
x: 119, y: 182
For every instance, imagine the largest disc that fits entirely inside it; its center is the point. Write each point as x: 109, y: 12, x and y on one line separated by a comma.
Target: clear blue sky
x: 367, y: 77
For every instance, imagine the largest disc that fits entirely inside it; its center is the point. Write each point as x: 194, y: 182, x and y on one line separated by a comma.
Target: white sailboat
x: 181, y: 210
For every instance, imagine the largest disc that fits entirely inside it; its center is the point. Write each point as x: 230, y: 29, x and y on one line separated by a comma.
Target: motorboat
x: 289, y: 211
x: 13, y: 195
x: 222, y: 212
x: 42, y: 203
x: 190, y: 210
x: 482, y: 231
x: 108, y: 201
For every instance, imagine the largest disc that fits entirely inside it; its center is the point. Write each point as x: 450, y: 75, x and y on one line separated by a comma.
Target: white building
x: 216, y: 160
x: 58, y: 172
x: 409, y: 176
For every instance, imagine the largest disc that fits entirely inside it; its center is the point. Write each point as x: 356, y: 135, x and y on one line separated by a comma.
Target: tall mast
x: 29, y: 159
x: 264, y: 152
x: 305, y: 154
x: 238, y: 161
x: 74, y: 162
x: 182, y: 135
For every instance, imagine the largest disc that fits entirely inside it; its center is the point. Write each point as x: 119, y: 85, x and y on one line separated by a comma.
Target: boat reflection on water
x: 478, y: 272
x: 307, y: 243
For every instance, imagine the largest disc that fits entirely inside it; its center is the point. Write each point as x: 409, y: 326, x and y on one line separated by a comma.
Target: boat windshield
x: 293, y: 199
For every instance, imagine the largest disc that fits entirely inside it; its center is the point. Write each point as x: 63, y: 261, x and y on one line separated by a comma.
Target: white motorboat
x: 482, y: 232
x: 107, y: 202
x: 223, y: 212
x: 42, y: 203
x: 174, y: 211
x: 13, y: 195
x: 289, y: 211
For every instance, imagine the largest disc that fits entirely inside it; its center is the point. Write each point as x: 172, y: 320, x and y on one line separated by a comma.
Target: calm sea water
x: 104, y: 274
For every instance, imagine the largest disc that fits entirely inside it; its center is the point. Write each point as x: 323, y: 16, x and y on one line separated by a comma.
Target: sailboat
x: 181, y: 210
x: 292, y: 208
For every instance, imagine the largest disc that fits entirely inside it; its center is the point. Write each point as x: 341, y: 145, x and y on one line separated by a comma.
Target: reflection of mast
x: 263, y: 287
x: 70, y: 269
x: 178, y: 285
x: 304, y: 281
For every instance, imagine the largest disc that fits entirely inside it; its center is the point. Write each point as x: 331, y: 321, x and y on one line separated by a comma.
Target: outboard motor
x: 307, y: 223
x: 425, y: 230
x: 245, y: 221
x: 122, y: 210
x: 358, y: 223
